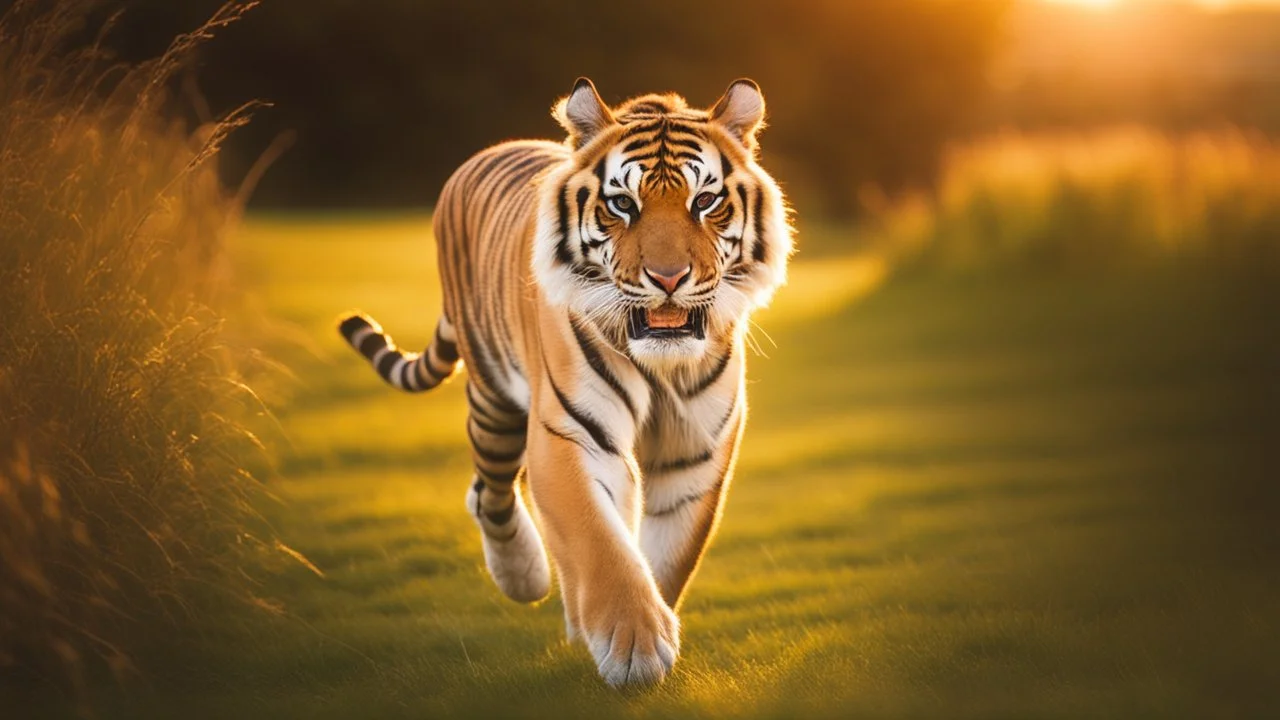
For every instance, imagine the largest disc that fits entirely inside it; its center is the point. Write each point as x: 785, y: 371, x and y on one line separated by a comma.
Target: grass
x: 126, y: 425
x: 969, y: 496
x: 1117, y: 197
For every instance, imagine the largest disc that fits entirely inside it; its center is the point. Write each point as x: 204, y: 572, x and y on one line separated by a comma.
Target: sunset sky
x: 1102, y: 4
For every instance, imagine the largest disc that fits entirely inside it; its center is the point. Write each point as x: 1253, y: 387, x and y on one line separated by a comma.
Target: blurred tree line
x: 387, y: 97
x: 1172, y: 65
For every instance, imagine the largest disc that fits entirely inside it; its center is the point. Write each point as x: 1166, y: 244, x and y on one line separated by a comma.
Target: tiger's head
x: 661, y: 228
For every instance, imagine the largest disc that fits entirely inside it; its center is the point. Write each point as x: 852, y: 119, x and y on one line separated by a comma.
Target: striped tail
x: 411, y: 372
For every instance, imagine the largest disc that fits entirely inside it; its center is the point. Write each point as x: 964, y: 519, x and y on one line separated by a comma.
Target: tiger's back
x: 484, y: 225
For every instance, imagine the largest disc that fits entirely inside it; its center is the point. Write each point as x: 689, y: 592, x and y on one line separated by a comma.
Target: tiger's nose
x: 667, y: 279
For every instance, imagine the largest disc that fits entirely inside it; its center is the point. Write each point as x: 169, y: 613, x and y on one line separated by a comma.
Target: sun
x: 1099, y: 4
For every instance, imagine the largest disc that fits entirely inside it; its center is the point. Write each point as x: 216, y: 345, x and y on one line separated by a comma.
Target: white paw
x: 517, y: 562
x: 639, y: 650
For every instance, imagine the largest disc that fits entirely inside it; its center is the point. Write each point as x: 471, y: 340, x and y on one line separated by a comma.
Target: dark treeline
x: 387, y: 96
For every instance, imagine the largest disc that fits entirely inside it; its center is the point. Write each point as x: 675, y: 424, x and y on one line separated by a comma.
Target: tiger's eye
x: 703, y: 201
x: 623, y: 203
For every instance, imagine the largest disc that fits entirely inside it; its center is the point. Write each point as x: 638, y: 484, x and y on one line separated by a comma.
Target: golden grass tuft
x: 126, y: 489
x: 1122, y: 196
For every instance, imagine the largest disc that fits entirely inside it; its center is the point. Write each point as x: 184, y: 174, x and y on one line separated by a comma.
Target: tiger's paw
x: 513, y: 552
x: 637, y: 648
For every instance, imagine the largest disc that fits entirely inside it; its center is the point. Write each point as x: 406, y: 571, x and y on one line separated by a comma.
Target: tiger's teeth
x: 668, y: 317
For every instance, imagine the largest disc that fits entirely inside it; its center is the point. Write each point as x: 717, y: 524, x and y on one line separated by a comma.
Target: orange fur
x: 551, y: 256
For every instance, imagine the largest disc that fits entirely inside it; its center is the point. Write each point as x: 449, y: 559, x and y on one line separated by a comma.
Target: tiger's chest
x: 683, y: 430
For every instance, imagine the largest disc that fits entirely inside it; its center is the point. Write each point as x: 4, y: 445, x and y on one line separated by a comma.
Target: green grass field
x: 958, y: 496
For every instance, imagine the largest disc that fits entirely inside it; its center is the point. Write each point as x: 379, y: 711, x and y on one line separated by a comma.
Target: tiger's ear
x: 583, y: 113
x: 741, y: 111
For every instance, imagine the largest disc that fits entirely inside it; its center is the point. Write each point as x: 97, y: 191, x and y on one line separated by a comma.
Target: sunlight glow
x: 1208, y: 4
x: 1099, y: 4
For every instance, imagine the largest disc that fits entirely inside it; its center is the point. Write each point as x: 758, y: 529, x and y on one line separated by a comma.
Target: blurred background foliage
x: 386, y: 97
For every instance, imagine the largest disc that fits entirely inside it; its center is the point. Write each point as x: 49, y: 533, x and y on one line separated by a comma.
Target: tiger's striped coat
x: 598, y: 291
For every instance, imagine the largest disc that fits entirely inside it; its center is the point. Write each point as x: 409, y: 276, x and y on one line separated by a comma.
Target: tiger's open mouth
x: 667, y: 322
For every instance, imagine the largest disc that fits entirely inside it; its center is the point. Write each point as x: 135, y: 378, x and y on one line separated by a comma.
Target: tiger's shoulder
x: 505, y: 166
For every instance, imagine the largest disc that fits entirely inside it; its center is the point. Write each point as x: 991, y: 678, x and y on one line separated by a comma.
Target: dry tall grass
x: 1124, y: 196
x: 124, y: 413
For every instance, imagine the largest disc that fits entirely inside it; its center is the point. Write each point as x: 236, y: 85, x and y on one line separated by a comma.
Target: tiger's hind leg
x: 513, y: 549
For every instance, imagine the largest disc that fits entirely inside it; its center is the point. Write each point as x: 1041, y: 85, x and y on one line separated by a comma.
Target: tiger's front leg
x: 683, y: 499
x: 588, y: 500
x: 688, y: 461
x: 585, y: 484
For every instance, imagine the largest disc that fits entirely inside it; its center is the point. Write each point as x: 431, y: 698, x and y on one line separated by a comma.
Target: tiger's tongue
x: 668, y: 317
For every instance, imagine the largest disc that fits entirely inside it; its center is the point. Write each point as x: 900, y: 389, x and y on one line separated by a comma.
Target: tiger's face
x: 661, y: 228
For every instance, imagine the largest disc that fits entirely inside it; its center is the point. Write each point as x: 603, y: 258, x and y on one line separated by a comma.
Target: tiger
x: 598, y: 292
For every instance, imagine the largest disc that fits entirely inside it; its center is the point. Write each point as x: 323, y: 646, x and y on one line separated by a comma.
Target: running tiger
x: 598, y: 291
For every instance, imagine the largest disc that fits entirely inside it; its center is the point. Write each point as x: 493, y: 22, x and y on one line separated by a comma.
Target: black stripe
x: 583, y: 194
x: 562, y: 246
x: 645, y: 156
x: 505, y: 478
x: 710, y: 379
x: 597, y: 363
x: 522, y: 172
x: 404, y: 375
x: 387, y: 362
x: 492, y: 456
x: 642, y: 126
x: 479, y: 369
x: 650, y: 106
x: 447, y: 351
x: 518, y: 429
x: 727, y: 169
x: 687, y: 499
x: 652, y: 381
x: 479, y: 409
x: 521, y: 176
x: 562, y: 435
x: 352, y: 325
x: 479, y: 173
x: 733, y: 408
x: 492, y: 170
x: 371, y: 345
x: 588, y: 423
x: 599, y: 172
x: 757, y: 253
x: 594, y: 243
x: 501, y: 517
x: 691, y: 144
x: 676, y: 125
x: 635, y: 145
x: 606, y: 489
x: 426, y: 375
x: 682, y: 464
x: 496, y: 489
x: 437, y: 372
x: 717, y: 488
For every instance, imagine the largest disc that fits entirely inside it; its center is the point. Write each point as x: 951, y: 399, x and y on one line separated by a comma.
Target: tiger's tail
x: 411, y: 372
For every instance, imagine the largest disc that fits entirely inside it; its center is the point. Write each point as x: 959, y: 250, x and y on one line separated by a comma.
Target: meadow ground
x: 992, y: 495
